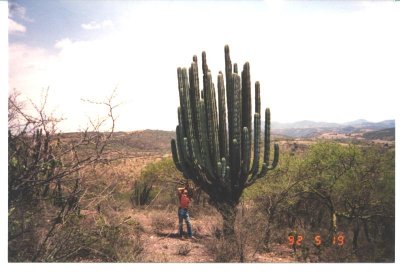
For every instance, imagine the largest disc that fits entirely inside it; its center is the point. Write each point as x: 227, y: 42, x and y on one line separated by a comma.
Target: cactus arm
x: 195, y: 171
x: 276, y: 157
x: 182, y: 156
x: 267, y: 139
x: 187, y: 114
x: 180, y: 163
x: 229, y: 98
x: 257, y: 98
x: 245, y: 155
x: 186, y: 152
x: 235, y: 137
x: 256, y: 158
x: 180, y: 135
x: 228, y: 69
x: 212, y: 123
x: 222, y: 133
x: 267, y: 144
x: 267, y: 136
x: 215, y: 135
x: 175, y: 157
x: 223, y: 169
x: 246, y: 111
x: 194, y: 94
x: 204, y: 141
x: 211, y: 116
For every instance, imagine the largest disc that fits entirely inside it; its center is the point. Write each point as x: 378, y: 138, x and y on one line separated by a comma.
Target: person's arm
x: 180, y: 191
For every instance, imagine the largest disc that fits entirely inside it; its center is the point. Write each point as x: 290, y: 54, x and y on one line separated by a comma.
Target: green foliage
x: 333, y: 188
x: 358, y: 181
x: 288, y: 173
x: 156, y: 184
x: 141, y: 193
x: 160, y: 172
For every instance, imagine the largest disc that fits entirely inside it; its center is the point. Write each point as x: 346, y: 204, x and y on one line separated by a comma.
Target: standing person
x: 183, y: 212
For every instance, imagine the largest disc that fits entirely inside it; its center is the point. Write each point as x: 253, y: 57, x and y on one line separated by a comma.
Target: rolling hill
x: 311, y: 129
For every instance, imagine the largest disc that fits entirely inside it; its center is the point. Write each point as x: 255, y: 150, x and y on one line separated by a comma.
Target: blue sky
x: 48, y: 21
x: 332, y: 61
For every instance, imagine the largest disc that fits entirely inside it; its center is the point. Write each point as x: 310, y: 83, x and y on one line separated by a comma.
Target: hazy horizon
x: 272, y: 125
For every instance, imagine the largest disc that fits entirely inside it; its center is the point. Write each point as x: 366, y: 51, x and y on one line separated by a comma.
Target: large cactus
x: 215, y: 156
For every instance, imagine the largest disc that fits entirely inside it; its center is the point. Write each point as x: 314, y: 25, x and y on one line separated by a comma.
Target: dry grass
x: 162, y: 224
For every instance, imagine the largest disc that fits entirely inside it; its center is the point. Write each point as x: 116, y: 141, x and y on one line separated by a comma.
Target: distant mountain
x: 389, y: 123
x: 362, y: 123
x: 387, y: 134
x: 311, y: 129
x: 358, y: 122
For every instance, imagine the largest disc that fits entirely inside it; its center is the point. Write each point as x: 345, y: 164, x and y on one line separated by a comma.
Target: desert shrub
x: 161, y: 172
x: 160, y: 223
x: 157, y: 183
x: 165, y: 178
x: 141, y: 193
x: 121, y: 240
x: 48, y: 183
x: 223, y: 250
x: 184, y: 250
x: 272, y: 198
x: 330, y: 188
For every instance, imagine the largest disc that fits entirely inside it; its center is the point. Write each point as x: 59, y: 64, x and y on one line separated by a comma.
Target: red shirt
x: 184, y: 201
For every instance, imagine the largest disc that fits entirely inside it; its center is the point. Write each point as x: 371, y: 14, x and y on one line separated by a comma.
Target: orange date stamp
x: 338, y: 240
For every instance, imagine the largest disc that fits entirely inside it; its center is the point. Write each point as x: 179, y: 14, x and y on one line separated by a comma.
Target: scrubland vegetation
x: 84, y: 198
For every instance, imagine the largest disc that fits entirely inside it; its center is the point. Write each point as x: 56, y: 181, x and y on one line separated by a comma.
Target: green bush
x: 157, y: 184
x: 332, y: 188
x: 141, y: 194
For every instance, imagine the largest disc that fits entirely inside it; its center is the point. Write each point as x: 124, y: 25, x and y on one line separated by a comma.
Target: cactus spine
x: 207, y: 150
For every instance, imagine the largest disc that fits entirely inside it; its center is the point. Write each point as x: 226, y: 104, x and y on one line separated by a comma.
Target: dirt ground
x: 165, y: 246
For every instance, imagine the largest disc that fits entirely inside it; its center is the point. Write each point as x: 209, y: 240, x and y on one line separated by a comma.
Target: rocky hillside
x: 143, y: 140
x: 384, y: 134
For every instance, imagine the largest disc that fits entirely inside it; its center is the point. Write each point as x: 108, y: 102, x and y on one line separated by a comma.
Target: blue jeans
x: 184, y: 214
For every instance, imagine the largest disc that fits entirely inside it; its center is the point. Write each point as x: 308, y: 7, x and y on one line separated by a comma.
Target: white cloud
x: 17, y: 12
x: 62, y: 43
x: 83, y: 70
x: 14, y: 27
x: 97, y: 25
x: 29, y: 69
